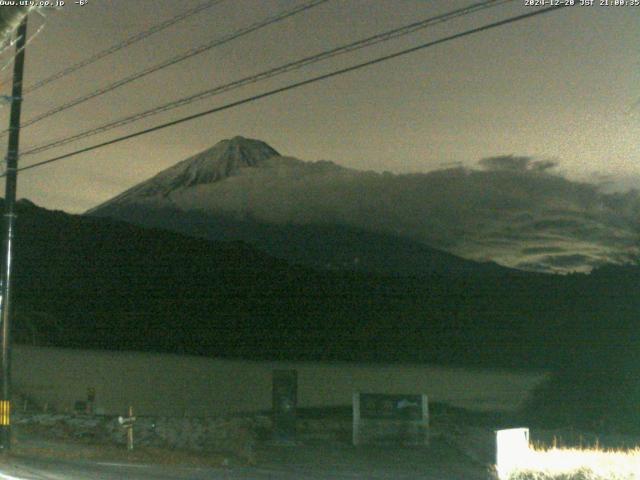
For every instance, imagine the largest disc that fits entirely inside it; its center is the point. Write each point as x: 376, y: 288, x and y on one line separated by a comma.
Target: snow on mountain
x: 223, y: 160
x: 512, y: 210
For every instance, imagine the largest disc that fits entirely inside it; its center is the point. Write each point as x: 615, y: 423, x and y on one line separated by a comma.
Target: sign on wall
x: 396, y: 418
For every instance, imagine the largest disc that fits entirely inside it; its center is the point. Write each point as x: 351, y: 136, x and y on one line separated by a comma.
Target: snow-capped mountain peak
x: 223, y: 160
x: 219, y: 162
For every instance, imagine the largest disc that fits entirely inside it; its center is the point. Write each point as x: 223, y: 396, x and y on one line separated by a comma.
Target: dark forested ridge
x: 96, y: 283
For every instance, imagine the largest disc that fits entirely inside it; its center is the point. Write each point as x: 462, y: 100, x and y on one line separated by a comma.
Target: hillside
x: 97, y: 283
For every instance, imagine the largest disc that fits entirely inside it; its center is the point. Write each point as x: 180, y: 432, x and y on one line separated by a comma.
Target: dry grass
x: 577, y: 464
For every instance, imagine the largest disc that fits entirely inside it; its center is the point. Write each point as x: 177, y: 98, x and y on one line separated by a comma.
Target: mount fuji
x: 513, y: 211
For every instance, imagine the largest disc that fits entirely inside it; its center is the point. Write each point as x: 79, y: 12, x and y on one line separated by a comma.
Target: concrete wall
x: 159, y: 384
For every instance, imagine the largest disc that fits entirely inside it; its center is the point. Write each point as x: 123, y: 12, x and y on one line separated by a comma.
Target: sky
x: 561, y: 86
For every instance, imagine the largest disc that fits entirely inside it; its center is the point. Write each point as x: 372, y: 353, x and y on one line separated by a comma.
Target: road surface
x: 322, y: 462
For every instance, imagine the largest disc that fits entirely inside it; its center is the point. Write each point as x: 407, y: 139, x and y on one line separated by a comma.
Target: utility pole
x: 7, y: 257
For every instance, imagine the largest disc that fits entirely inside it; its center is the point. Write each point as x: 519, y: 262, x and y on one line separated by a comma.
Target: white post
x: 356, y: 418
x: 426, y: 421
x: 127, y: 423
x: 130, y: 430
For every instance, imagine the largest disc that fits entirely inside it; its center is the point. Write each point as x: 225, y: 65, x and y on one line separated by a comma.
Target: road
x: 284, y: 463
x: 32, y: 469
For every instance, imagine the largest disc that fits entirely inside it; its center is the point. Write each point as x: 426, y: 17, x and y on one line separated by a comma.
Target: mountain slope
x: 161, y: 202
x: 95, y: 283
x: 325, y: 247
x: 513, y: 211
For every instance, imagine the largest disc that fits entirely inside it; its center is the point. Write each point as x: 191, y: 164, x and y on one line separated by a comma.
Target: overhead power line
x: 15, y: 40
x: 124, y: 44
x: 350, y: 47
x: 296, y: 85
x: 174, y: 60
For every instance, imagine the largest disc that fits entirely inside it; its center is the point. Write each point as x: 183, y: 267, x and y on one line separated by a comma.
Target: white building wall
x: 164, y: 384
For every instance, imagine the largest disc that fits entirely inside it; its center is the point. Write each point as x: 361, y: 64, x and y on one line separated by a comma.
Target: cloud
x: 505, y: 163
x: 512, y: 210
x: 571, y: 262
x: 543, y: 165
x: 511, y: 163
